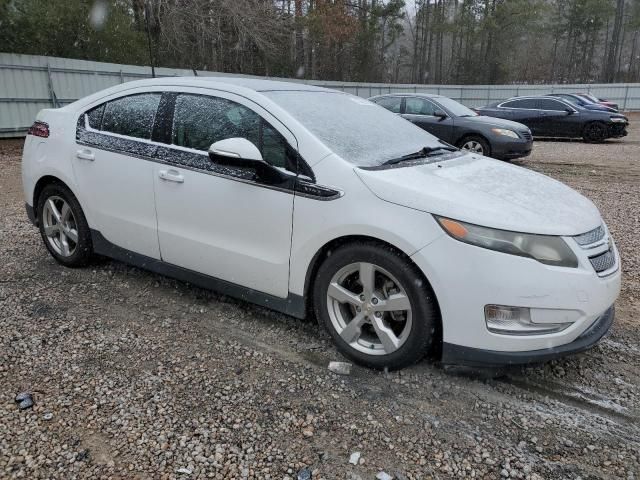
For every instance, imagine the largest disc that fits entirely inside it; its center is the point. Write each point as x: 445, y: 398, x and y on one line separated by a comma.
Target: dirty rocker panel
x: 292, y: 305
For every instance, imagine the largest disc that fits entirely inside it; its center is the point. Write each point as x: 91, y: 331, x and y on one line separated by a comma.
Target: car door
x: 523, y: 110
x: 222, y: 221
x: 557, y: 119
x: 113, y: 166
x: 421, y: 112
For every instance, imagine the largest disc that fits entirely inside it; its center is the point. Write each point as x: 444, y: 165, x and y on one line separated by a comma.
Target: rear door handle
x: 85, y: 154
x: 171, y: 176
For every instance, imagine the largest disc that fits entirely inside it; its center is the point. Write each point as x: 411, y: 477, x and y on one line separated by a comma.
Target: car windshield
x: 456, y: 108
x: 589, y: 97
x: 571, y: 100
x: 358, y: 130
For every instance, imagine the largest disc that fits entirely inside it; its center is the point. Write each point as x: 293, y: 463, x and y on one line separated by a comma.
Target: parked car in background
x: 555, y: 117
x: 575, y: 99
x: 399, y: 245
x: 601, y: 101
x: 458, y: 125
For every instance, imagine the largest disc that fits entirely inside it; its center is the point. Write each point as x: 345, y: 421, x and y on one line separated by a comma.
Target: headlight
x: 547, y: 249
x: 618, y: 120
x: 505, y: 132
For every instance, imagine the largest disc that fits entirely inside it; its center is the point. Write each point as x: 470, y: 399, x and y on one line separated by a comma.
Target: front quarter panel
x: 358, y: 212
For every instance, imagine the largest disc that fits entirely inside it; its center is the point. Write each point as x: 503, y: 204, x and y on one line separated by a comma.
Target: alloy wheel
x: 473, y: 146
x: 369, y: 308
x: 60, y: 226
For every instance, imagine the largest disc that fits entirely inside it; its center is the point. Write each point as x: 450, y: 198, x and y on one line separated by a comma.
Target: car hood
x: 492, y: 122
x: 486, y: 192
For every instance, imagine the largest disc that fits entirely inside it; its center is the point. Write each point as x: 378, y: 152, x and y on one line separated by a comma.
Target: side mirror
x: 569, y: 111
x: 440, y: 114
x: 237, y: 152
x: 240, y: 152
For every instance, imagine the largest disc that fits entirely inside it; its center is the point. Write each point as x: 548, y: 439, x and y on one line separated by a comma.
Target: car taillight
x: 39, y: 129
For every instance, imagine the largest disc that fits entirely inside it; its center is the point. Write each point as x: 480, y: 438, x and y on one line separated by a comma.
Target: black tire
x: 424, y: 329
x: 595, y: 132
x: 486, y: 148
x: 83, y: 251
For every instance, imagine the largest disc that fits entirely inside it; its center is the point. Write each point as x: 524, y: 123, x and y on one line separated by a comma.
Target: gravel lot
x: 139, y: 376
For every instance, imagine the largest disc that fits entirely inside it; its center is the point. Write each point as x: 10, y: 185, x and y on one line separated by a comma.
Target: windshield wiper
x: 423, y: 153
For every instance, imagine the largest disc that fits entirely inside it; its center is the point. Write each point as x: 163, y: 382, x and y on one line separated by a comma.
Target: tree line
x: 413, y: 41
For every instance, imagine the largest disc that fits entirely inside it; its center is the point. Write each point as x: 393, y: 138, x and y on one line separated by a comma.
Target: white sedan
x: 315, y: 202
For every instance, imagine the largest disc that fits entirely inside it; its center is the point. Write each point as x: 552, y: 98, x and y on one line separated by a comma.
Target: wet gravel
x: 135, y: 375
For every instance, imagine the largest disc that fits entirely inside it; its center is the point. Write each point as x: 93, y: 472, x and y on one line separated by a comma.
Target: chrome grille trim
x: 590, y: 237
x: 604, y: 261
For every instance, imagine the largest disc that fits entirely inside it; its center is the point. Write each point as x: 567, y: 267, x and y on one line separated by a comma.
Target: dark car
x: 601, y: 101
x: 554, y: 117
x: 575, y: 99
x: 458, y: 125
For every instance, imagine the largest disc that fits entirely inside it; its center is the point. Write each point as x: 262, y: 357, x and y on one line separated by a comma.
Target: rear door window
x: 132, y: 116
x: 526, y: 103
x: 390, y: 103
x: 550, y: 104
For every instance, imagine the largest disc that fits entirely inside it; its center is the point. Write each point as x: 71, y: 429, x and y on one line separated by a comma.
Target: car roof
x: 255, y: 84
x: 410, y: 94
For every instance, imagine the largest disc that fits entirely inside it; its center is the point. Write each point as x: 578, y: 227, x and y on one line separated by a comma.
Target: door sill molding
x: 293, y: 305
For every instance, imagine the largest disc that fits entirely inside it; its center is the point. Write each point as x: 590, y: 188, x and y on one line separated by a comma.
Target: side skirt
x: 293, y: 305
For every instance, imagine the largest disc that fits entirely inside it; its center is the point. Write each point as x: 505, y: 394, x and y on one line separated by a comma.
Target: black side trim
x: 31, y: 213
x: 292, y: 305
x: 475, y: 357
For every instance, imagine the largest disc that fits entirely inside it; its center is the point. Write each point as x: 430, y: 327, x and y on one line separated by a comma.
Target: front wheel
x: 475, y: 144
x: 595, y: 132
x: 376, y: 306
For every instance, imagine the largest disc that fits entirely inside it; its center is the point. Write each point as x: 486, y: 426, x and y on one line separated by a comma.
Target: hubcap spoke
x: 352, y: 331
x: 389, y: 341
x: 367, y: 278
x: 64, y: 244
x: 65, y: 213
x: 342, y: 295
x: 396, y: 302
x: 54, y: 211
x: 72, y: 234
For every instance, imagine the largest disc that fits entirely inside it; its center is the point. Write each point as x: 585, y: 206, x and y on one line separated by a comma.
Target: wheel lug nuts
x: 378, y: 314
x: 374, y: 300
x: 358, y: 309
x: 362, y: 297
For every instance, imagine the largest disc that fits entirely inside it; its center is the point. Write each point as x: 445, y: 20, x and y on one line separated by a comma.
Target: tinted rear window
x: 132, y: 116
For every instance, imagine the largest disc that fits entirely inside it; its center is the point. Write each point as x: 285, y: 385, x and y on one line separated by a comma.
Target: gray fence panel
x: 29, y: 83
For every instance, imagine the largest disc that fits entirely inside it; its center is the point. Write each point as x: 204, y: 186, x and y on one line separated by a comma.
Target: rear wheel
x: 595, y: 132
x: 63, y: 226
x: 475, y: 144
x: 375, y: 305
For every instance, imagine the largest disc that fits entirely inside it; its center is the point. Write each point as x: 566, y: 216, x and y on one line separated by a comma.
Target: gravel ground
x: 139, y: 376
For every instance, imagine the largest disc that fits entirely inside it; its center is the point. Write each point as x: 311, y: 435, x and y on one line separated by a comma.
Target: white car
x: 311, y: 201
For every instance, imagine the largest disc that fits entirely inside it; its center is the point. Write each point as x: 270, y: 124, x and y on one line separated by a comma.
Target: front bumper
x: 466, y: 278
x: 475, y: 357
x: 508, y: 150
x: 618, y: 130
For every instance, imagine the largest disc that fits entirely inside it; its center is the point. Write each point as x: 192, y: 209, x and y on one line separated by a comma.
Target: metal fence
x: 29, y: 83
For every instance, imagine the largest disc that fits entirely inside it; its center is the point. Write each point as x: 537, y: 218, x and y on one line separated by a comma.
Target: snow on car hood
x: 486, y: 192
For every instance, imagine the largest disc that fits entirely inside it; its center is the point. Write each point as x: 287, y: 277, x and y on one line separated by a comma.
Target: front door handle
x: 85, y: 154
x: 171, y: 176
